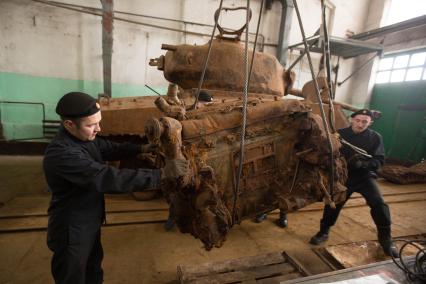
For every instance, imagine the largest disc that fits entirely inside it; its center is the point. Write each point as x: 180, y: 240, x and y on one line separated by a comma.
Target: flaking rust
x: 286, y: 157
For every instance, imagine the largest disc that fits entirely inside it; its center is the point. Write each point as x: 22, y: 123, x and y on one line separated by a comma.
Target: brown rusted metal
x: 280, y: 134
x: 405, y: 175
x: 286, y: 161
x: 183, y: 66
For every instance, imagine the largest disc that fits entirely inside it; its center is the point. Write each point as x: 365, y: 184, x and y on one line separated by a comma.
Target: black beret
x: 205, y: 97
x: 364, y: 112
x: 76, y: 105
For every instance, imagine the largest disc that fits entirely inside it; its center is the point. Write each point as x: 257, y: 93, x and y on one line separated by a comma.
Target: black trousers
x: 79, y: 262
x: 368, y: 188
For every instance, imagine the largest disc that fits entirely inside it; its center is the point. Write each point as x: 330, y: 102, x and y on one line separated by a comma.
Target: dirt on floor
x: 139, y: 250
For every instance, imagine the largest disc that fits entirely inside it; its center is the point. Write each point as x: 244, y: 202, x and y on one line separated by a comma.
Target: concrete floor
x: 145, y: 253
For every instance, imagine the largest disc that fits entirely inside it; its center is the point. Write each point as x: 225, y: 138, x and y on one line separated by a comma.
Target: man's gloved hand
x: 149, y: 148
x: 175, y: 168
x: 358, y: 163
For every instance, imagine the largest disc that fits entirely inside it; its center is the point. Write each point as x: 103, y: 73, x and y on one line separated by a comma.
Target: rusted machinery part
x: 183, y: 64
x: 404, y: 175
x: 304, y: 94
x: 175, y: 111
x: 280, y: 134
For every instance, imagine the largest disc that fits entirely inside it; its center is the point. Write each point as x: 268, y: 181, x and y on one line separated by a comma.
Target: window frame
x: 406, y: 68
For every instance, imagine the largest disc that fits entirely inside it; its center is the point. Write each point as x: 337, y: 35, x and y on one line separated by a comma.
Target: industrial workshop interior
x: 212, y: 141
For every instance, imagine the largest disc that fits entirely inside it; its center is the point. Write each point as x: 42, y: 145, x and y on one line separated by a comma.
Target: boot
x: 282, y: 221
x: 170, y: 223
x: 260, y: 218
x: 385, y: 240
x: 321, y: 236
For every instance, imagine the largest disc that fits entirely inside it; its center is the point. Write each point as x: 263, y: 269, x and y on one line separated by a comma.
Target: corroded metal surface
x: 286, y: 164
x: 405, y: 175
x: 183, y: 65
x: 286, y: 160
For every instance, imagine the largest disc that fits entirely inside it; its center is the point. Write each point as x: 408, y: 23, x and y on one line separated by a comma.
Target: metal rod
x: 357, y: 70
x: 140, y: 15
x: 152, y: 90
x: 206, y: 61
x: 244, y: 118
x: 255, y: 43
x: 70, y: 7
x: 336, y: 72
x: 328, y: 68
x: 321, y: 106
x: 355, y: 148
x: 301, y: 56
x: 296, y: 173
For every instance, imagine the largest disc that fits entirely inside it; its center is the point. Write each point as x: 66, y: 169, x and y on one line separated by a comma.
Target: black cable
x: 414, y: 268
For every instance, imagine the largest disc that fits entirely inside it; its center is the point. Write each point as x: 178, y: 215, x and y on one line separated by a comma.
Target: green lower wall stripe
x: 21, y: 121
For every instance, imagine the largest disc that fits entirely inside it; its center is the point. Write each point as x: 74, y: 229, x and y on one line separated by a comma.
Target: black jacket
x: 368, y: 140
x: 78, y: 177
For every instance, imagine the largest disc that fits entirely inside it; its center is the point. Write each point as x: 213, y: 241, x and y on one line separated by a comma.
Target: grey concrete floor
x: 145, y: 253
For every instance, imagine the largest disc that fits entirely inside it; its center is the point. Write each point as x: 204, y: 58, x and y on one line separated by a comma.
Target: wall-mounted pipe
x: 98, y: 12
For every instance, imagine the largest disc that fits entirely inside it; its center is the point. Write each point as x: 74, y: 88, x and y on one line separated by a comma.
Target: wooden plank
x: 246, y: 275
x: 279, y: 279
x: 193, y: 271
x: 296, y: 264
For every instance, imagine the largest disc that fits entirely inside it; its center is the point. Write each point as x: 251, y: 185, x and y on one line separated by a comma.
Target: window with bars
x: 402, y: 68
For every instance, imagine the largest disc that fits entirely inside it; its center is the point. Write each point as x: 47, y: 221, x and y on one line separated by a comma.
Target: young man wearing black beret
x: 77, y: 176
x: 362, y: 172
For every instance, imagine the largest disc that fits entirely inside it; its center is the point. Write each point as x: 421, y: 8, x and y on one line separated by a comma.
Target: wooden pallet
x: 266, y: 268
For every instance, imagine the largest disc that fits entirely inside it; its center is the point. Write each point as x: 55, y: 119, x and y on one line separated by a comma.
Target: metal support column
x: 107, y: 42
x: 286, y: 17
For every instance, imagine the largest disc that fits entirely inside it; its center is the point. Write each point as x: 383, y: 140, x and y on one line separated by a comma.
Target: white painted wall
x: 348, y: 16
x: 360, y: 87
x: 47, y: 41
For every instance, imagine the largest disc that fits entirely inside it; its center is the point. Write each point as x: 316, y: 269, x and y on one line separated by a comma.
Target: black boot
x: 170, y: 223
x: 260, y: 218
x: 321, y: 236
x: 385, y: 240
x: 282, y: 221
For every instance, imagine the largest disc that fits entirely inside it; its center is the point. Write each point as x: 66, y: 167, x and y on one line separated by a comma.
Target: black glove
x: 149, y: 148
x: 360, y: 162
x: 356, y: 162
x: 175, y: 168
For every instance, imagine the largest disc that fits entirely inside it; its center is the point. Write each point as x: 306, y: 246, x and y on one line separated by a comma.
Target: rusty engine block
x: 286, y: 161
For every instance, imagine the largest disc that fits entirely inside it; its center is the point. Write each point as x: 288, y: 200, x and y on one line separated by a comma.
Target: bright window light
x: 414, y: 74
x: 397, y: 76
x: 386, y: 63
x: 383, y: 77
x: 401, y: 61
x: 402, y: 67
x: 418, y: 59
x: 402, y: 10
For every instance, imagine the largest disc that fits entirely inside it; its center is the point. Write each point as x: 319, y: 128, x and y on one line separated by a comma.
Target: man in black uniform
x: 78, y: 177
x: 361, y: 178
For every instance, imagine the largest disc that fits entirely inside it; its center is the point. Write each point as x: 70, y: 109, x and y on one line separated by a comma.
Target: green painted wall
x: 403, y: 131
x: 25, y: 121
